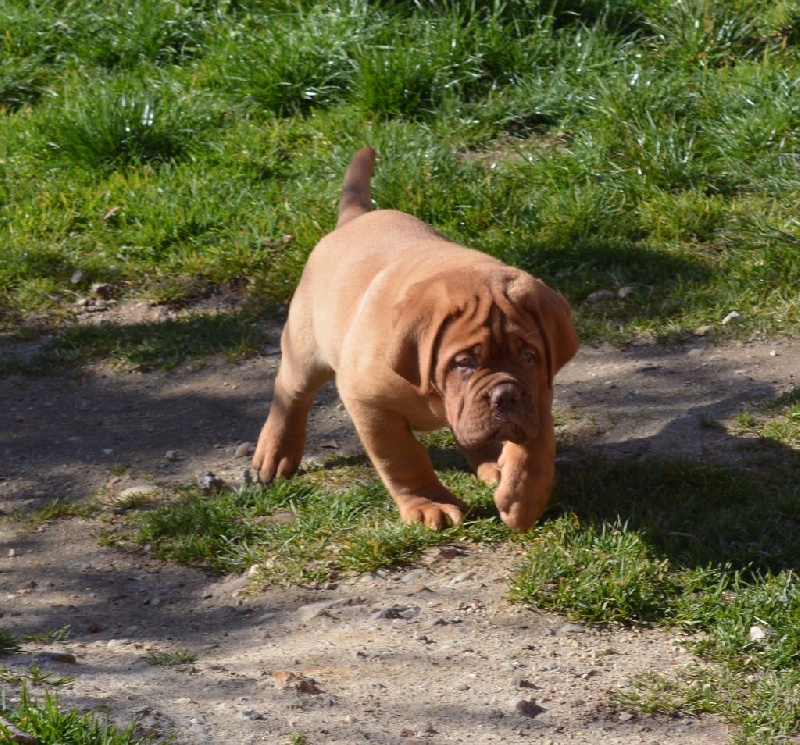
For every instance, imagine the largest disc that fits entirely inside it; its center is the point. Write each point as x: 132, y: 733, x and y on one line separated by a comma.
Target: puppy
x: 420, y: 334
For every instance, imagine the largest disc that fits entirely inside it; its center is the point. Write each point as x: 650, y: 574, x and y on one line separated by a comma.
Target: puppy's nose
x: 504, y: 398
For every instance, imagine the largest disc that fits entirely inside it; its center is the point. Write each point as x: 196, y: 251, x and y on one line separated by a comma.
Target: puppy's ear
x: 416, y: 326
x: 553, y: 316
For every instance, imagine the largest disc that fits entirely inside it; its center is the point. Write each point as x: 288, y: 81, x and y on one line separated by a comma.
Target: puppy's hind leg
x: 301, y: 374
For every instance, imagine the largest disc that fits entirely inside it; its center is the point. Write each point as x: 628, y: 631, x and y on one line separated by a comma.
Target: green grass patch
x: 180, y: 656
x: 168, y: 147
x: 300, y: 531
x: 51, y: 725
x: 8, y: 641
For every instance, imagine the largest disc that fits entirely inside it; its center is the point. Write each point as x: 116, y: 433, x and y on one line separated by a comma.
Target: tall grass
x: 645, y: 144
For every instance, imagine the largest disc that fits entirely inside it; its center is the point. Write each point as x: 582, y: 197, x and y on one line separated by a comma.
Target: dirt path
x: 429, y: 654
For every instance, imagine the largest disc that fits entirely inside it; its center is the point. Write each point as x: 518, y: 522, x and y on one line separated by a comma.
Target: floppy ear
x: 551, y: 312
x: 416, y: 327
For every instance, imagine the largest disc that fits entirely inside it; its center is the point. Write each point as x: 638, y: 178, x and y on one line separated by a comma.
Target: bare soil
x: 432, y: 653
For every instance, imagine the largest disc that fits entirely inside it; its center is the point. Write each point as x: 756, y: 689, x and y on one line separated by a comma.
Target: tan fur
x: 421, y: 333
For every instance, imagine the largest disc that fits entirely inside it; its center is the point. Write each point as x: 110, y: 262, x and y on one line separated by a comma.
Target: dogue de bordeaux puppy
x: 420, y: 334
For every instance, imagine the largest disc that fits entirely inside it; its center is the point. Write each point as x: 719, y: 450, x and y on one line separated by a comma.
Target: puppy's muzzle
x: 504, y: 399
x: 508, y: 418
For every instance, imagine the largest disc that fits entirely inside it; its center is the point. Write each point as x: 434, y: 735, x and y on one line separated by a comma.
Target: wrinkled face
x: 489, y: 372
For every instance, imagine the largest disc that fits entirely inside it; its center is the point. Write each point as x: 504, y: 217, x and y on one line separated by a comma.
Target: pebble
x: 519, y: 682
x: 243, y: 450
x: 759, y: 633
x: 116, y: 643
x: 210, y: 482
x: 65, y: 657
x: 573, y: 628
x: 17, y: 735
x: 528, y: 708
x: 173, y: 455
x: 413, y: 575
x: 314, y: 610
x: 463, y: 577
x: 137, y: 491
x: 599, y: 296
x: 626, y: 291
x: 398, y: 611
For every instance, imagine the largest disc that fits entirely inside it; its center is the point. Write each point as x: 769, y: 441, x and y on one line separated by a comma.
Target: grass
x: 180, y: 656
x: 166, y: 148
x: 49, y: 724
x: 8, y: 641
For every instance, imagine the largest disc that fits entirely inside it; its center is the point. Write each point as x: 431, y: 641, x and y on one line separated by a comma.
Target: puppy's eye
x: 465, y: 362
x: 529, y: 356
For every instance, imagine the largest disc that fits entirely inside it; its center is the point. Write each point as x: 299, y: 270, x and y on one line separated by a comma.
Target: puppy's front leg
x: 404, y: 467
x: 527, y: 473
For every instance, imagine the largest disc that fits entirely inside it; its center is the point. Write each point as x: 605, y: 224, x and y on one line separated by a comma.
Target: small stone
x: 173, y: 455
x: 77, y: 277
x: 16, y: 734
x: 463, y: 576
x: 12, y: 552
x: 314, y: 610
x: 462, y: 687
x: 117, y: 643
x: 285, y: 679
x: 426, y: 728
x: 598, y: 296
x: 549, y: 666
x: 413, y: 575
x: 759, y: 633
x: 519, y: 682
x: 398, y: 611
x: 139, y: 490
x: 703, y: 330
x: 773, y: 353
x: 625, y: 716
x: 243, y: 450
x: 65, y: 657
x: 626, y: 291
x: 529, y: 709
x: 573, y: 628
x: 210, y: 482
x: 104, y: 290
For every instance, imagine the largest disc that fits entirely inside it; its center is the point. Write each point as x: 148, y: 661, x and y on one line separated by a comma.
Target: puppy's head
x: 488, y: 342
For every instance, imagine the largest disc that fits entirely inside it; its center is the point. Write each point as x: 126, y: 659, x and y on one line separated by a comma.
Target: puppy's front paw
x: 272, y: 461
x: 271, y: 466
x: 433, y: 514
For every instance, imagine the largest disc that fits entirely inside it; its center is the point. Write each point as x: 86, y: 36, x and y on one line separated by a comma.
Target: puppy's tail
x: 355, y: 197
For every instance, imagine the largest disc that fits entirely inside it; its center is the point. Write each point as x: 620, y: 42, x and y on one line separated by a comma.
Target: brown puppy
x: 421, y: 334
